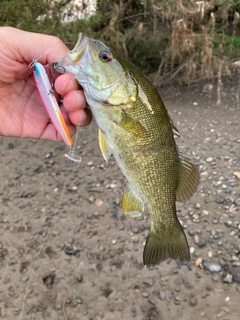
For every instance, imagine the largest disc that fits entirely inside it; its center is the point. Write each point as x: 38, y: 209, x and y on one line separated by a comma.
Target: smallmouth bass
x: 135, y: 127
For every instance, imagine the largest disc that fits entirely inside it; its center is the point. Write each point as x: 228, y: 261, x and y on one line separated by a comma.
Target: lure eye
x: 105, y: 56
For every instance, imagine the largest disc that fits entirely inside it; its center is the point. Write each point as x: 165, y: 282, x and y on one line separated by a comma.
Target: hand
x: 22, y: 112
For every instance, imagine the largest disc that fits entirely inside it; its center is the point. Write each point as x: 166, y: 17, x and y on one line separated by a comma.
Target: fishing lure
x: 51, y: 105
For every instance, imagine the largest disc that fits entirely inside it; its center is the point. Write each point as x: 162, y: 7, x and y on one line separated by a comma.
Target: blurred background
x: 177, y: 40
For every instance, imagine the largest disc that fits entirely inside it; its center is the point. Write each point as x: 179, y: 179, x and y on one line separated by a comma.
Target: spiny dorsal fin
x: 104, y: 145
x: 189, y: 177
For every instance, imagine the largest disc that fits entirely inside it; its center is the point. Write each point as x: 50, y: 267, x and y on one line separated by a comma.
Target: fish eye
x: 105, y: 56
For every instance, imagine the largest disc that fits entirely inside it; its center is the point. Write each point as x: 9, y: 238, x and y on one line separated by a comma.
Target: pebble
x: 236, y: 274
x: 212, y: 267
x: 145, y: 294
x: 209, y: 159
x: 237, y: 202
x: 210, y: 254
x: 76, y: 302
x: 162, y: 295
x: 193, y: 301
x: 79, y: 278
x: 192, y: 250
x: 201, y: 242
x: 114, y: 241
x: 236, y: 264
x: 228, y: 223
x: 24, y: 278
x: 135, y: 230
x: 198, y: 262
x: 98, y: 202
x: 228, y: 278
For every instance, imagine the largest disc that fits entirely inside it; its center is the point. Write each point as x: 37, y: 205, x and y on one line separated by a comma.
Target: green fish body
x: 135, y: 127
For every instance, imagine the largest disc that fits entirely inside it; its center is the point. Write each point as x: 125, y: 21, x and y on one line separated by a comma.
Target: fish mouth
x: 75, y: 57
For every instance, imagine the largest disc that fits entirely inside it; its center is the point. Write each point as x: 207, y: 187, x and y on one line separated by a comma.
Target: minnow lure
x: 51, y: 105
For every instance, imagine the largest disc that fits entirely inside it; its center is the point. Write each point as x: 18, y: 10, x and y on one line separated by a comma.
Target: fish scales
x: 135, y: 127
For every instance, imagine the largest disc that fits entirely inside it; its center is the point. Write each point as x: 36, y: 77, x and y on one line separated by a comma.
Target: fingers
x: 74, y: 100
x: 81, y: 117
x: 66, y: 83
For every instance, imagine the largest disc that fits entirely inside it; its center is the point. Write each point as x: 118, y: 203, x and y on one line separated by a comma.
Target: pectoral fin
x: 189, y: 177
x: 132, y: 204
x: 104, y: 145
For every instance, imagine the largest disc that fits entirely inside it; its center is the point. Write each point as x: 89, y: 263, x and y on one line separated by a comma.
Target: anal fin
x: 189, y: 178
x: 132, y: 204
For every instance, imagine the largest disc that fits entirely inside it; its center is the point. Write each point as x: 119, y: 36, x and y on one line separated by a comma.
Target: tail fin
x: 167, y: 243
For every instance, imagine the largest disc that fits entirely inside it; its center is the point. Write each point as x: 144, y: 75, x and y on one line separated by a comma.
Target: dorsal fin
x: 189, y: 177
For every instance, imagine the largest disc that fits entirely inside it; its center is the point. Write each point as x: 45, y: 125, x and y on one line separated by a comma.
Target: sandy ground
x: 91, y: 266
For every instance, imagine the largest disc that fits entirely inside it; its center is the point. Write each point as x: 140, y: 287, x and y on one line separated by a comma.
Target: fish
x: 135, y: 127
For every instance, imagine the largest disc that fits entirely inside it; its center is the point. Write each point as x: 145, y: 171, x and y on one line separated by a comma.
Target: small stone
x: 193, y: 301
x: 114, y: 241
x: 145, y: 294
x: 196, y: 239
x: 98, y: 202
x: 236, y: 274
x: 178, y: 298
x: 209, y: 159
x: 76, y: 302
x: 195, y: 216
x: 210, y: 254
x: 236, y: 264
x: 212, y: 267
x: 135, y: 230
x: 192, y: 250
x: 112, y: 185
x: 228, y: 223
x: 197, y: 206
x: 198, y: 263
x: 162, y: 295
x: 48, y: 155
x: 58, y: 306
x: 74, y: 188
x: 79, y: 278
x: 24, y: 279
x: 228, y: 278
x: 91, y: 199
x: 201, y: 242
x: 237, y: 202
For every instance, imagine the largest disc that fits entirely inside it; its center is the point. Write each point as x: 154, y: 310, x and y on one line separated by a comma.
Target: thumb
x: 22, y: 47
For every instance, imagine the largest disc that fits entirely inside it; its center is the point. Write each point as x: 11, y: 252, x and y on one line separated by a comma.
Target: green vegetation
x: 183, y: 41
